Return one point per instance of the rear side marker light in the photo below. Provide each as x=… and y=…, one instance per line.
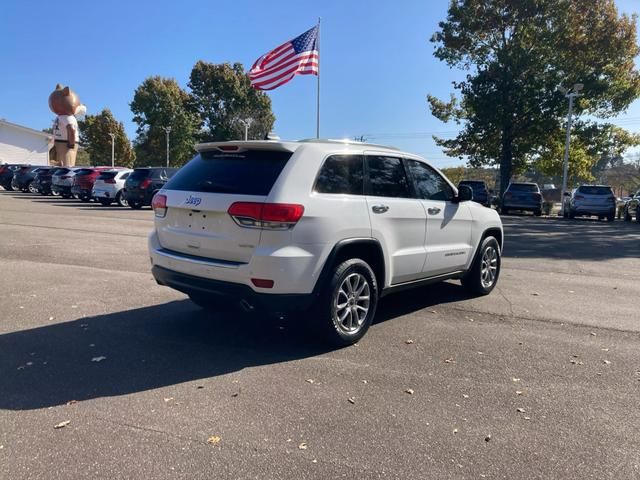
x=262, y=282
x=272, y=216
x=109, y=180
x=145, y=183
x=159, y=205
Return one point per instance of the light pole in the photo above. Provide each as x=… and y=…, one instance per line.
x=167, y=130
x=570, y=94
x=113, y=149
x=247, y=123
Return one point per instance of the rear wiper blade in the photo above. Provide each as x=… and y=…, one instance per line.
x=209, y=186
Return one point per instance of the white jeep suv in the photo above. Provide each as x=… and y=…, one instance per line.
x=317, y=226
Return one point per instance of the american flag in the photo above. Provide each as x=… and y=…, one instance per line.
x=297, y=57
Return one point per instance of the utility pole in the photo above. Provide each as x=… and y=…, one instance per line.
x=167, y=130
x=246, y=123
x=113, y=149
x=570, y=94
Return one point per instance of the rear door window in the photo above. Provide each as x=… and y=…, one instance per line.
x=107, y=175
x=252, y=172
x=523, y=187
x=341, y=174
x=140, y=174
x=386, y=177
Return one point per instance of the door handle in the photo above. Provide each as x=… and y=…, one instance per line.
x=433, y=211
x=380, y=208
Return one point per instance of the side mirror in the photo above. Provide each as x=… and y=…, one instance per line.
x=465, y=193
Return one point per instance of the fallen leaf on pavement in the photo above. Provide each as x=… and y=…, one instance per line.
x=464, y=395
x=310, y=380
x=515, y=379
x=409, y=391
x=365, y=382
x=520, y=410
x=518, y=392
x=527, y=418
x=408, y=342
x=98, y=359
x=535, y=294
x=604, y=349
x=302, y=446
x=168, y=399
x=487, y=438
x=51, y=318
x=593, y=334
x=449, y=360
x=351, y=400
x=455, y=430
x=62, y=424
x=213, y=440
x=606, y=362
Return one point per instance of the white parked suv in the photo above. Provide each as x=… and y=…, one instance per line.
x=317, y=226
x=108, y=187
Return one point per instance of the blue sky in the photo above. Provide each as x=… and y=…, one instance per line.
x=376, y=61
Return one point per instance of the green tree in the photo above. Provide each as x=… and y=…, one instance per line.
x=221, y=95
x=160, y=102
x=516, y=54
x=95, y=137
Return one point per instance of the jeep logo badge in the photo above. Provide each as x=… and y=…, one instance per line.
x=195, y=201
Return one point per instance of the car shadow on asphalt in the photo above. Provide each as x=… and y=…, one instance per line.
x=145, y=348
x=161, y=345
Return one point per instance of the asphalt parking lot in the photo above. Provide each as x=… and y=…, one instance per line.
x=541, y=379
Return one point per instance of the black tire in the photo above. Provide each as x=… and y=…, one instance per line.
x=32, y=189
x=65, y=195
x=121, y=200
x=84, y=198
x=626, y=216
x=572, y=214
x=473, y=280
x=638, y=214
x=343, y=332
x=504, y=211
x=135, y=205
x=611, y=217
x=537, y=213
x=105, y=202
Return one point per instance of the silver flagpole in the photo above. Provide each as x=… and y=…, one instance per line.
x=318, y=96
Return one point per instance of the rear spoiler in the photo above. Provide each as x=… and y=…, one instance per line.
x=248, y=145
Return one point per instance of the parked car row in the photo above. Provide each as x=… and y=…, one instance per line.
x=631, y=208
x=124, y=186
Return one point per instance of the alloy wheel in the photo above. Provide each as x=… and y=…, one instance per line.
x=351, y=303
x=489, y=266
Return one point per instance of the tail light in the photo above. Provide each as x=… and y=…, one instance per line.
x=579, y=197
x=159, y=205
x=109, y=180
x=272, y=216
x=145, y=183
x=65, y=177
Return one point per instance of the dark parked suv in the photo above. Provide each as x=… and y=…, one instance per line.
x=6, y=175
x=24, y=176
x=480, y=191
x=42, y=181
x=522, y=196
x=143, y=183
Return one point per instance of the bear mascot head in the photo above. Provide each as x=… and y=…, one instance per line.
x=65, y=103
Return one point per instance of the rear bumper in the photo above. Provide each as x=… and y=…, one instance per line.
x=80, y=192
x=144, y=196
x=522, y=206
x=594, y=209
x=237, y=293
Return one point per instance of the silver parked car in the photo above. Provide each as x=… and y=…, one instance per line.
x=590, y=200
x=108, y=187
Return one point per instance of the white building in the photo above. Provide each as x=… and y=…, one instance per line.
x=20, y=144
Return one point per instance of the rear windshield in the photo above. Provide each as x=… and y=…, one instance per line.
x=524, y=187
x=84, y=171
x=140, y=173
x=595, y=190
x=252, y=172
x=107, y=175
x=61, y=171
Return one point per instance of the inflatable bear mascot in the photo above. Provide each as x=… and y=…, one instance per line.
x=65, y=103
